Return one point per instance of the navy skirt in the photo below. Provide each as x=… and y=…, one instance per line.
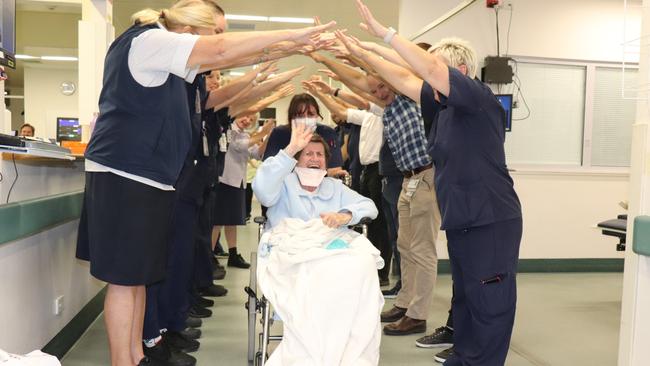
x=229, y=206
x=124, y=229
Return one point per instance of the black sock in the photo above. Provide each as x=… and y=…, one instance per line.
x=232, y=251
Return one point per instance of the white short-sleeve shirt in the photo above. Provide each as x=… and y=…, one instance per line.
x=372, y=132
x=154, y=55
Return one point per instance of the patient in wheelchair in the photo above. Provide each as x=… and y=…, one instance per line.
x=320, y=276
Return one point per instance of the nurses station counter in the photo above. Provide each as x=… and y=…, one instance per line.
x=43, y=286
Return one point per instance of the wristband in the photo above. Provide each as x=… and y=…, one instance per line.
x=336, y=92
x=389, y=36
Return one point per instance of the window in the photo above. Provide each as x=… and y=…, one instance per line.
x=612, y=118
x=552, y=134
x=570, y=114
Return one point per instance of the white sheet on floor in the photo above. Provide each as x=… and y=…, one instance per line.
x=328, y=299
x=34, y=358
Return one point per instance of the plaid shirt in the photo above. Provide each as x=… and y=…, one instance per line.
x=404, y=132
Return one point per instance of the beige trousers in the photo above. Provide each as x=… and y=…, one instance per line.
x=419, y=221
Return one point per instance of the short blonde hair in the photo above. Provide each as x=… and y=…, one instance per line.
x=191, y=13
x=456, y=52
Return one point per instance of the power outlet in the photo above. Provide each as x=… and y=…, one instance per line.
x=58, y=305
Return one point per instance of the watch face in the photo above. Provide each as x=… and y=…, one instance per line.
x=68, y=88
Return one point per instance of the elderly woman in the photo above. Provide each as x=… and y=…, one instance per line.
x=320, y=276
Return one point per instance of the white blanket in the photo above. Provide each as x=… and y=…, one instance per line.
x=328, y=299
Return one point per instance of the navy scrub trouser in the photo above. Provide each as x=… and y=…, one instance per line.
x=168, y=301
x=204, y=266
x=390, y=188
x=484, y=268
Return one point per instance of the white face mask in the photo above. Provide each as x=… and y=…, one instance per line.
x=310, y=122
x=310, y=177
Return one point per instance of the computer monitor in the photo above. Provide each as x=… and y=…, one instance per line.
x=8, y=33
x=506, y=102
x=68, y=129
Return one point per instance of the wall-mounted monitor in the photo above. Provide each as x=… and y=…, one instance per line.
x=506, y=102
x=68, y=129
x=8, y=33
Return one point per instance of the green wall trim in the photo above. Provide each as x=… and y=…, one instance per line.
x=68, y=336
x=25, y=218
x=558, y=265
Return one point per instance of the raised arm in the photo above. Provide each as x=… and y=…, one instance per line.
x=401, y=79
x=238, y=109
x=227, y=92
x=428, y=66
x=226, y=49
x=347, y=74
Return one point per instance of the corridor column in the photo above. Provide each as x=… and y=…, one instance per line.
x=96, y=32
x=635, y=312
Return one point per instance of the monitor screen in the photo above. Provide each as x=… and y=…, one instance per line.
x=8, y=33
x=506, y=102
x=68, y=129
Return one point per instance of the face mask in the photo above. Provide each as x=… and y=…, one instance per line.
x=310, y=177
x=310, y=122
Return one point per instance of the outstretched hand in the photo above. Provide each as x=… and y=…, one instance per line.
x=309, y=35
x=370, y=24
x=300, y=137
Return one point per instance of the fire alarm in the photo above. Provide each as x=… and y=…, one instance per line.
x=491, y=3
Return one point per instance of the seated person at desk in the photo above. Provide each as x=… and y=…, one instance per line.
x=26, y=130
x=325, y=291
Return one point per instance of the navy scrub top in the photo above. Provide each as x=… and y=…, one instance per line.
x=466, y=141
x=281, y=136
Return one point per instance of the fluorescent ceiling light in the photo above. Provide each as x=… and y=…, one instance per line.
x=236, y=73
x=291, y=20
x=26, y=57
x=259, y=18
x=254, y=18
x=59, y=58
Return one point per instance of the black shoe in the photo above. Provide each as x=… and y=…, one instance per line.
x=199, y=312
x=219, y=273
x=392, y=293
x=443, y=356
x=162, y=354
x=441, y=337
x=191, y=333
x=178, y=342
x=238, y=261
x=213, y=291
x=193, y=322
x=203, y=302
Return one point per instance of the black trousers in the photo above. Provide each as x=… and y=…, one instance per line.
x=168, y=301
x=378, y=229
x=204, y=266
x=249, y=199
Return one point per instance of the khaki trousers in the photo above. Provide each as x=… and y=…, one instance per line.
x=419, y=222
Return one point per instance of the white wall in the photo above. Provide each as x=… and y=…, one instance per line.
x=576, y=29
x=560, y=208
x=44, y=100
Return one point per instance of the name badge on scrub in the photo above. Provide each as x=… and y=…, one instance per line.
x=223, y=143
x=411, y=186
x=197, y=102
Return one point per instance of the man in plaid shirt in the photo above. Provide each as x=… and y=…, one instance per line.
x=419, y=217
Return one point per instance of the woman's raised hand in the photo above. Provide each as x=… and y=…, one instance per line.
x=309, y=35
x=370, y=24
x=300, y=137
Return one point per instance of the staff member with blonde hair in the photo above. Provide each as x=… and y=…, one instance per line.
x=130, y=176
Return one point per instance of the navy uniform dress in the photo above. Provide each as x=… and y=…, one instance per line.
x=143, y=132
x=481, y=214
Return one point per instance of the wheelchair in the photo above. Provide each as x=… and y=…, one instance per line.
x=260, y=305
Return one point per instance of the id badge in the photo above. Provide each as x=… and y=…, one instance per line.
x=223, y=143
x=206, y=148
x=411, y=186
x=197, y=102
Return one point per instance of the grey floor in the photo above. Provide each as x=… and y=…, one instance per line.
x=562, y=319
